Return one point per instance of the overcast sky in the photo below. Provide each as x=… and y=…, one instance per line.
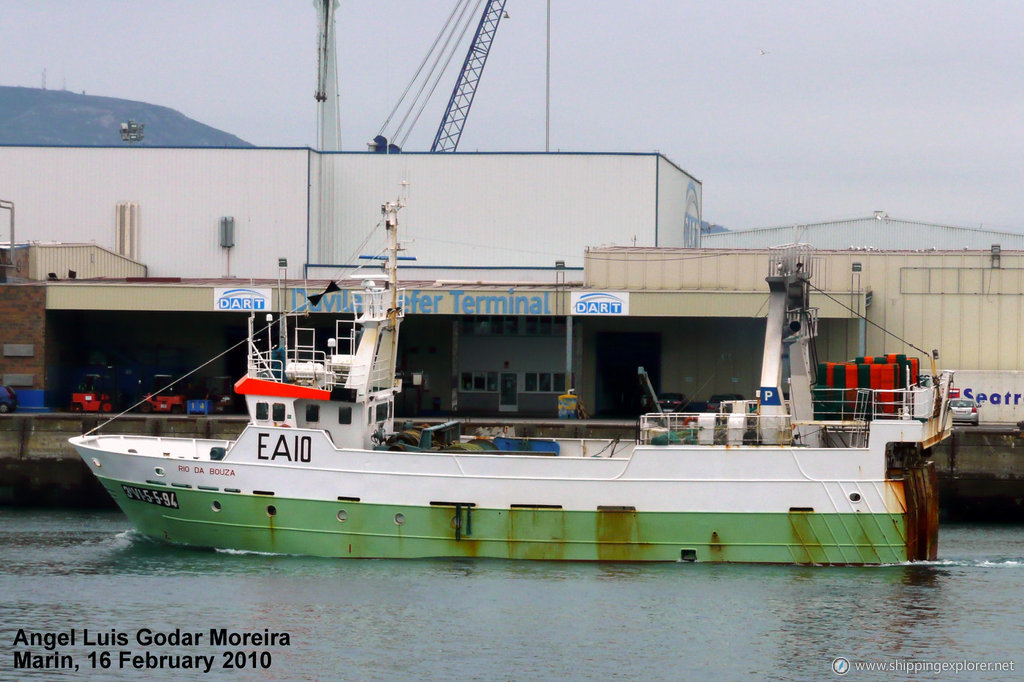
x=914, y=108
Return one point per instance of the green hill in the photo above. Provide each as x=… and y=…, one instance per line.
x=29, y=116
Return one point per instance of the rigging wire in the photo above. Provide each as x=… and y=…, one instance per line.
x=465, y=29
x=423, y=63
x=265, y=328
x=491, y=247
x=884, y=330
x=181, y=378
x=355, y=254
x=434, y=74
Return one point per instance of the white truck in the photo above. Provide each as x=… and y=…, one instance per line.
x=999, y=393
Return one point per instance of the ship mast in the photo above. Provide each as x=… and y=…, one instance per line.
x=790, y=323
x=390, y=211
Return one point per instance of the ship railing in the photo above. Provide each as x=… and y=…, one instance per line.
x=345, y=336
x=307, y=366
x=866, y=404
x=374, y=303
x=791, y=259
x=174, y=447
x=380, y=376
x=342, y=350
x=263, y=366
x=710, y=428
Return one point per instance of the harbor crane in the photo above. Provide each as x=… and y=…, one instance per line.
x=440, y=55
x=450, y=130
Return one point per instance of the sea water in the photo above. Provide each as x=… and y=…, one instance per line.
x=137, y=609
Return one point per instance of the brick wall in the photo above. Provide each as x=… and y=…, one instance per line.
x=23, y=333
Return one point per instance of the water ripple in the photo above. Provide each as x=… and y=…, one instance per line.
x=491, y=619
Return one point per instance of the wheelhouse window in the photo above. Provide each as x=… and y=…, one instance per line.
x=312, y=413
x=279, y=412
x=344, y=415
x=262, y=411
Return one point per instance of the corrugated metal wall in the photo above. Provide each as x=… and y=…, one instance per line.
x=85, y=260
x=496, y=210
x=464, y=210
x=679, y=206
x=70, y=195
x=879, y=232
x=966, y=304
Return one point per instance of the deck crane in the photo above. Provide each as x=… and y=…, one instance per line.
x=450, y=130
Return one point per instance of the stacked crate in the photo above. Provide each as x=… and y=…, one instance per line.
x=902, y=361
x=839, y=381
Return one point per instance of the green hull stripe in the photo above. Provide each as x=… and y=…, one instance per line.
x=312, y=527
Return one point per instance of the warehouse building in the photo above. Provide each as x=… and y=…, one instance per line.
x=507, y=216
x=533, y=272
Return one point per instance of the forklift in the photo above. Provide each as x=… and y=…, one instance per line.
x=159, y=401
x=92, y=395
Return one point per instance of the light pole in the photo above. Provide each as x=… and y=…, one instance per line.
x=547, y=85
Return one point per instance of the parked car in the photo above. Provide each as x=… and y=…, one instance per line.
x=8, y=399
x=715, y=401
x=671, y=402
x=964, y=411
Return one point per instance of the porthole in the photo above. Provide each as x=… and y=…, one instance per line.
x=271, y=510
x=399, y=519
x=215, y=506
x=159, y=471
x=343, y=516
x=854, y=497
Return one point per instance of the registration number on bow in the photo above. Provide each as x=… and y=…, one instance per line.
x=164, y=498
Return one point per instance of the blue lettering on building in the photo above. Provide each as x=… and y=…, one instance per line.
x=1006, y=398
x=419, y=302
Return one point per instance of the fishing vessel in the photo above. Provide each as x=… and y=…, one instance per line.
x=808, y=474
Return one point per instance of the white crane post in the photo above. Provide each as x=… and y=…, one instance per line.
x=328, y=115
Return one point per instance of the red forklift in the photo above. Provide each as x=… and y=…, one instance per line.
x=90, y=397
x=161, y=400
x=220, y=391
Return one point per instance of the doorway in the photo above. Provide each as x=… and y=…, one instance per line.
x=619, y=354
x=508, y=394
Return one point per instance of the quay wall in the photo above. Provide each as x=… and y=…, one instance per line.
x=38, y=467
x=981, y=472
x=981, y=476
